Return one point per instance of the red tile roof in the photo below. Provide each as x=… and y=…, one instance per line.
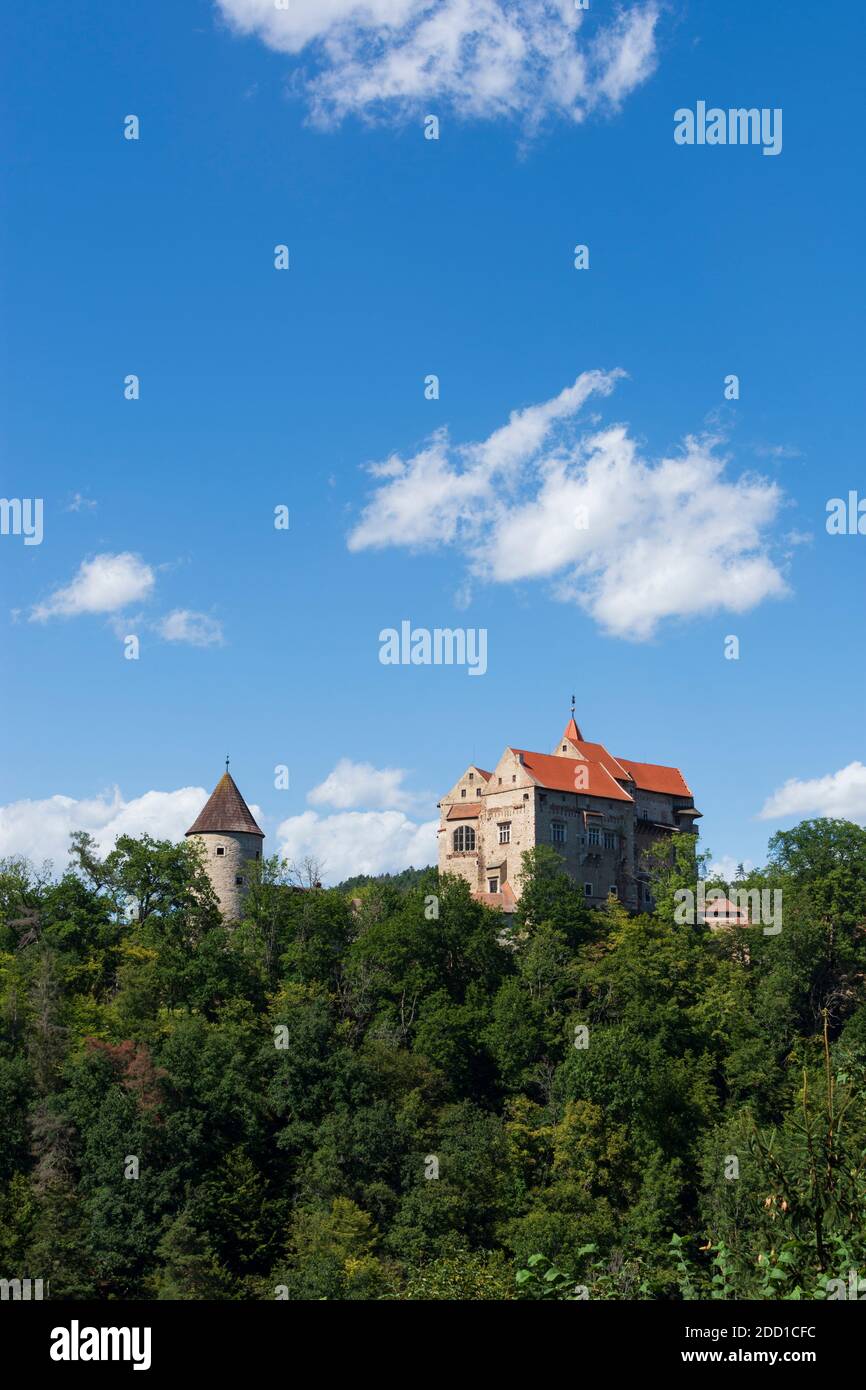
x=650, y=777
x=597, y=753
x=505, y=899
x=463, y=810
x=225, y=810
x=557, y=774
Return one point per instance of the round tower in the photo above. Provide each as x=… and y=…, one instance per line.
x=232, y=840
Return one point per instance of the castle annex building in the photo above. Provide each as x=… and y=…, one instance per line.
x=228, y=831
x=600, y=812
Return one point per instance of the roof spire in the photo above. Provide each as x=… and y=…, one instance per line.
x=225, y=811
x=227, y=762
x=572, y=732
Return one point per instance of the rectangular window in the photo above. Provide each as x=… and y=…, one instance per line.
x=593, y=837
x=587, y=890
x=609, y=840
x=505, y=832
x=613, y=891
x=557, y=832
x=493, y=885
x=239, y=880
x=220, y=851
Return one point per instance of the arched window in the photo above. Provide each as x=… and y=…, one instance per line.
x=464, y=837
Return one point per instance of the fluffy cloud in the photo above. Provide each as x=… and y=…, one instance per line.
x=841, y=793
x=40, y=829
x=351, y=785
x=358, y=842
x=369, y=841
x=109, y=584
x=484, y=58
x=631, y=541
x=727, y=868
x=104, y=584
x=197, y=629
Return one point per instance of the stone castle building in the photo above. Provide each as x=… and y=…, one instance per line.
x=600, y=812
x=231, y=839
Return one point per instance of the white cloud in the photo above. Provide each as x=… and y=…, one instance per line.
x=183, y=625
x=79, y=503
x=40, y=829
x=483, y=58
x=104, y=584
x=631, y=541
x=841, y=793
x=727, y=868
x=358, y=842
x=351, y=785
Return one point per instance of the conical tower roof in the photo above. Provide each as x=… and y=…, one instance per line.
x=224, y=811
x=572, y=732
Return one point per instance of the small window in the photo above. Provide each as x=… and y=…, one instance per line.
x=505, y=832
x=462, y=791
x=593, y=837
x=472, y=777
x=564, y=749
x=499, y=780
x=477, y=791
x=609, y=840
x=258, y=854
x=239, y=879
x=514, y=777
x=613, y=891
x=493, y=885
x=220, y=851
x=557, y=832
x=587, y=890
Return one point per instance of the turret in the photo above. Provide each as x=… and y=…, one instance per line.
x=231, y=840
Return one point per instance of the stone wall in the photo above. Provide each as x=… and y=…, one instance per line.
x=224, y=869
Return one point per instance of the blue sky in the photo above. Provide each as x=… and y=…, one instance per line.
x=409, y=257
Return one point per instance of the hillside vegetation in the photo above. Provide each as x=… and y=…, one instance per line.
x=376, y=1093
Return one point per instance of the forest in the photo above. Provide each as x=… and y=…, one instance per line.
x=387, y=1091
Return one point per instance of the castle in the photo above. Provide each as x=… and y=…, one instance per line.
x=227, y=831
x=601, y=813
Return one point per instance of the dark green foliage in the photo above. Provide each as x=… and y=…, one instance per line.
x=381, y=1092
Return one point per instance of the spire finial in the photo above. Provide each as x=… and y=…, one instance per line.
x=572, y=706
x=227, y=762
